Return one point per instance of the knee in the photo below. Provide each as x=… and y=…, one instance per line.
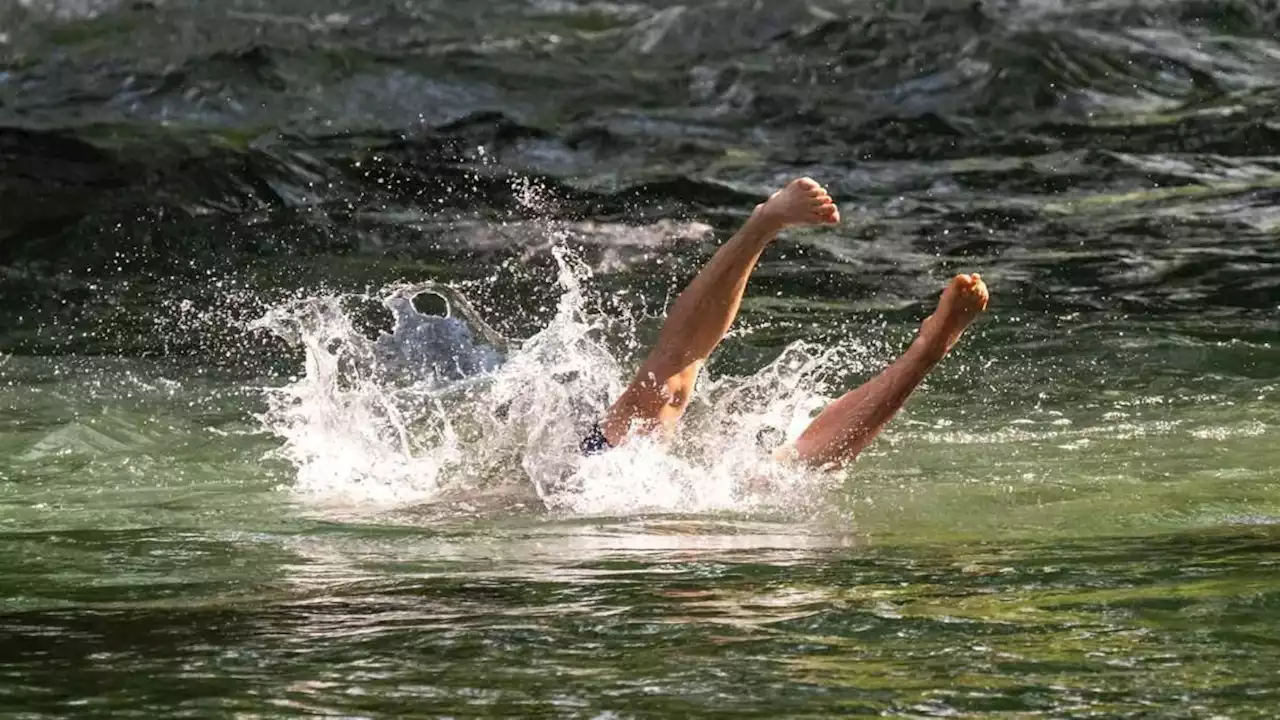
x=679, y=388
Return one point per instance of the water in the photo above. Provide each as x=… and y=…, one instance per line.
x=248, y=466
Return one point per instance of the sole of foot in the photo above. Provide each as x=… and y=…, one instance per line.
x=801, y=202
x=963, y=300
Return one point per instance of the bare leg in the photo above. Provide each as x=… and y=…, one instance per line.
x=849, y=424
x=703, y=313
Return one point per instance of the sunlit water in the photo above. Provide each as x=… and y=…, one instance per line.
x=1053, y=526
x=249, y=467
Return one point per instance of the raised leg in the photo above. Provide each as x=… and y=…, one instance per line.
x=849, y=424
x=703, y=313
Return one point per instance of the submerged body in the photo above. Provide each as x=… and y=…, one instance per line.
x=657, y=397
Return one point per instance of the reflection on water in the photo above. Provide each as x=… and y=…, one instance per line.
x=735, y=619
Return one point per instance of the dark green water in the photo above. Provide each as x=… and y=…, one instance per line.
x=1077, y=516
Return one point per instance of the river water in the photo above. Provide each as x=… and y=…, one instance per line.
x=248, y=467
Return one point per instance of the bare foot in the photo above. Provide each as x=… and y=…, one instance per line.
x=801, y=202
x=964, y=298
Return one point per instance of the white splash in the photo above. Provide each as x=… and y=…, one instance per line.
x=442, y=408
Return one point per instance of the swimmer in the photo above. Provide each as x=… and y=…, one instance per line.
x=698, y=320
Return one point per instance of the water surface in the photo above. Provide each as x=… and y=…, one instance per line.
x=221, y=492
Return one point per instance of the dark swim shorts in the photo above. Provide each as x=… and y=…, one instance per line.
x=595, y=442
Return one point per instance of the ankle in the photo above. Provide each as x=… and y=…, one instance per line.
x=765, y=219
